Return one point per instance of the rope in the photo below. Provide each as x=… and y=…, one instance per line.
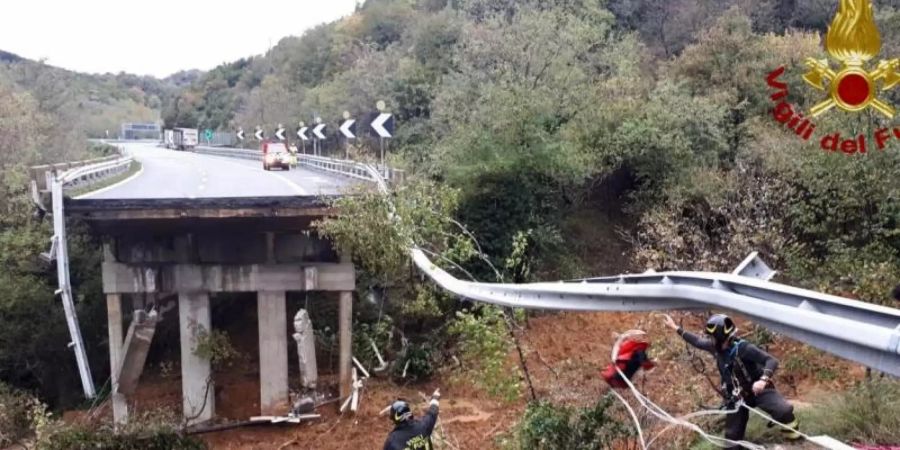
x=682, y=421
x=765, y=416
x=664, y=416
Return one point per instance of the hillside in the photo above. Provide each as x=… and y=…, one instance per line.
x=543, y=140
x=88, y=104
x=579, y=138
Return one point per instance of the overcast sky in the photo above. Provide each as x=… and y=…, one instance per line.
x=157, y=37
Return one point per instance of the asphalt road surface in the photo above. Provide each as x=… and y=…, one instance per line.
x=179, y=174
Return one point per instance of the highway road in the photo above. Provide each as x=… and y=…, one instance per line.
x=178, y=174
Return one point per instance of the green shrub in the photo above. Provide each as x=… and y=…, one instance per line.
x=550, y=427
x=214, y=345
x=485, y=343
x=416, y=362
x=868, y=414
x=16, y=410
x=89, y=438
x=363, y=336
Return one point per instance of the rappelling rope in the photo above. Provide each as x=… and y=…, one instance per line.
x=664, y=416
x=653, y=408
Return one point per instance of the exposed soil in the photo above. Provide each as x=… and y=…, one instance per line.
x=565, y=353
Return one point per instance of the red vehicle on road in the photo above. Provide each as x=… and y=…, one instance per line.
x=276, y=154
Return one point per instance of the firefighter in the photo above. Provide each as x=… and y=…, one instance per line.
x=408, y=433
x=746, y=373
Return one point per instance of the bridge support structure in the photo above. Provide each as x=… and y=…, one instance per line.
x=148, y=256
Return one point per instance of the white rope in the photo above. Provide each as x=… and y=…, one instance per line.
x=637, y=423
x=664, y=416
x=765, y=416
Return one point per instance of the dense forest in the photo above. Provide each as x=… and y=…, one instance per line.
x=533, y=109
x=568, y=137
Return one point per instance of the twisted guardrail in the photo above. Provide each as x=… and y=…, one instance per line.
x=57, y=178
x=863, y=332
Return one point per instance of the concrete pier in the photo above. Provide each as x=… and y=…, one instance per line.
x=197, y=389
x=273, y=358
x=114, y=322
x=345, y=324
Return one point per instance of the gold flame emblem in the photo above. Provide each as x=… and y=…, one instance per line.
x=852, y=39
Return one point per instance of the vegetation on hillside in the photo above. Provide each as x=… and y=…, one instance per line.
x=513, y=117
x=88, y=105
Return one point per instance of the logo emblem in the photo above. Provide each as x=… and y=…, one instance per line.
x=852, y=39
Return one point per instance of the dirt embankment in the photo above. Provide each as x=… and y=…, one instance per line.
x=565, y=354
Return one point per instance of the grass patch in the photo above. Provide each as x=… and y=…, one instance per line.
x=102, y=149
x=868, y=413
x=135, y=168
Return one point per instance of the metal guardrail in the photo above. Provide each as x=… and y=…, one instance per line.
x=56, y=179
x=90, y=174
x=240, y=153
x=862, y=332
x=40, y=173
x=348, y=168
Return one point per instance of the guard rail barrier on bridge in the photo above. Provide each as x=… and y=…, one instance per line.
x=111, y=165
x=56, y=178
x=347, y=168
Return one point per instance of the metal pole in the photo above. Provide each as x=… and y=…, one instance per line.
x=65, y=288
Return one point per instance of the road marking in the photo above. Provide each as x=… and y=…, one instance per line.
x=296, y=187
x=112, y=186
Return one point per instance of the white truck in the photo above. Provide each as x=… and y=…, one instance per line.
x=185, y=138
x=168, y=139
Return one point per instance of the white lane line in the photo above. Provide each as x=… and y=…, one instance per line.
x=112, y=186
x=296, y=187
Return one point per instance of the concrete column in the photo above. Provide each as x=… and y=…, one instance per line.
x=273, y=359
x=345, y=323
x=306, y=350
x=197, y=390
x=114, y=321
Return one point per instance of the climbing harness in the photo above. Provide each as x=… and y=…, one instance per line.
x=683, y=421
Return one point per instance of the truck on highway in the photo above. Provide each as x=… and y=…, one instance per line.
x=168, y=139
x=185, y=138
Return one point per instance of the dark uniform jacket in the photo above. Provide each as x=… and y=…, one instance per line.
x=413, y=434
x=742, y=362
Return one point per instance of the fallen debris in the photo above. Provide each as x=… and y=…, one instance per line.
x=306, y=349
x=354, y=398
x=383, y=365
x=284, y=419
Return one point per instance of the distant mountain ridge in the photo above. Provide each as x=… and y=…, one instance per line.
x=9, y=57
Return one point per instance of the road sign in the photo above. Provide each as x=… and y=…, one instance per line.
x=209, y=134
x=301, y=133
x=258, y=134
x=319, y=131
x=279, y=133
x=384, y=125
x=240, y=134
x=348, y=129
